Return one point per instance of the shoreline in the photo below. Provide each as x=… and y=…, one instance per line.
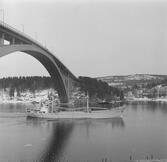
x=148, y=100
x=15, y=102
x=151, y=160
x=156, y=100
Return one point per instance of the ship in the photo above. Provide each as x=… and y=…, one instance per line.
x=43, y=112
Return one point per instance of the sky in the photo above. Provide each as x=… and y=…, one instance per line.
x=91, y=37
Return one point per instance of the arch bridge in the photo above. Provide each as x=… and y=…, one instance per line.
x=12, y=40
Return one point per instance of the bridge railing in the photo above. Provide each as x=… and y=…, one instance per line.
x=22, y=34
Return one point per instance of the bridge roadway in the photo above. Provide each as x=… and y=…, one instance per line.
x=12, y=40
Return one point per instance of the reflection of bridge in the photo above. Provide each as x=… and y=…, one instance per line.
x=11, y=40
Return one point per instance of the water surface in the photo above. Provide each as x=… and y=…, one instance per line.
x=140, y=133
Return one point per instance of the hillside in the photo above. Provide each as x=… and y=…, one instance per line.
x=130, y=80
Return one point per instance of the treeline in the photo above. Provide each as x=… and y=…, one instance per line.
x=95, y=88
x=26, y=83
x=99, y=89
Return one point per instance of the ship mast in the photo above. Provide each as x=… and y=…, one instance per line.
x=87, y=102
x=52, y=103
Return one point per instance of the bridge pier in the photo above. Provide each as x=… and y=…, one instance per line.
x=2, y=38
x=69, y=86
x=13, y=40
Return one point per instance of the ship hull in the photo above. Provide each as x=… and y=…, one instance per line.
x=103, y=114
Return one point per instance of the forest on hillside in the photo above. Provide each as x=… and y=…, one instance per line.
x=99, y=89
x=31, y=83
x=95, y=88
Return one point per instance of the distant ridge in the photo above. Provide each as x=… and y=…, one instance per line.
x=117, y=80
x=156, y=75
x=134, y=76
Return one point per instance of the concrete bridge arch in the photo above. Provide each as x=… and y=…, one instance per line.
x=18, y=41
x=48, y=61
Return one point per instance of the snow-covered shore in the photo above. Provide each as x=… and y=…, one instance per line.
x=27, y=97
x=14, y=101
x=150, y=99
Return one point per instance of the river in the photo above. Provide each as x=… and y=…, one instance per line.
x=141, y=133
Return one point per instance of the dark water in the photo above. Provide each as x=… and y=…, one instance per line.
x=142, y=132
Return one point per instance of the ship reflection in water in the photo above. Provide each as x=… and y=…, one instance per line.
x=61, y=132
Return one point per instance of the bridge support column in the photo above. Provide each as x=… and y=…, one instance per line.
x=69, y=86
x=2, y=38
x=12, y=41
